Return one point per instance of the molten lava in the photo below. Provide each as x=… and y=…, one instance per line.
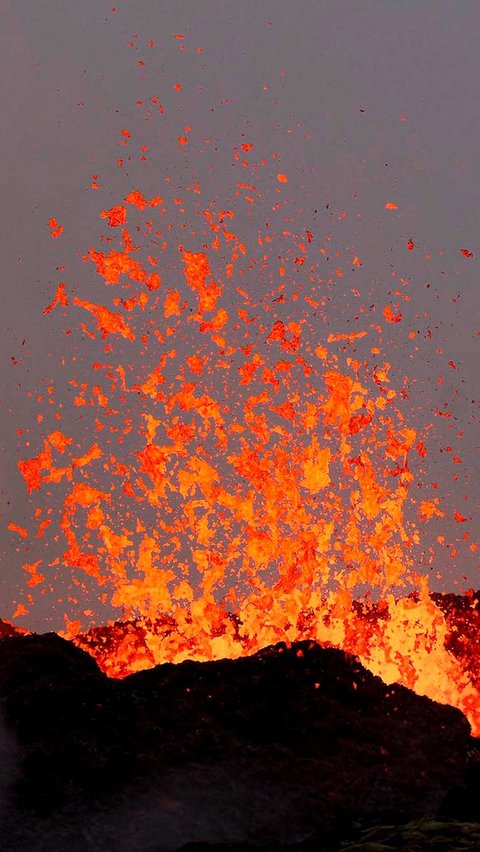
x=241, y=475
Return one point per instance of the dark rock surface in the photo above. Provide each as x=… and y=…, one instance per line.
x=9, y=629
x=294, y=746
x=419, y=835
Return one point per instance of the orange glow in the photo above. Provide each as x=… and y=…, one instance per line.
x=21, y=531
x=391, y=316
x=115, y=216
x=60, y=299
x=55, y=229
x=250, y=475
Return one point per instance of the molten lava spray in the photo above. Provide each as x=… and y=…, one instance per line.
x=241, y=474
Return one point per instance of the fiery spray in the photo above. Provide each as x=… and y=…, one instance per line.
x=243, y=475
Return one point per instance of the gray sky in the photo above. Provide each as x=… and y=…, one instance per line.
x=367, y=102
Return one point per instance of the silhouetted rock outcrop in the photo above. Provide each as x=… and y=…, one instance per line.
x=9, y=629
x=286, y=745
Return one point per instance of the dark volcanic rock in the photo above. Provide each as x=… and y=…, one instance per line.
x=422, y=835
x=8, y=629
x=462, y=801
x=286, y=745
x=419, y=836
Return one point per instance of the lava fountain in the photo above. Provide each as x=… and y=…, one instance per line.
x=237, y=473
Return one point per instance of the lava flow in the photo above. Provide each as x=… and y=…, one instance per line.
x=233, y=473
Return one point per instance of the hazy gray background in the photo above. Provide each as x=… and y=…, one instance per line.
x=351, y=70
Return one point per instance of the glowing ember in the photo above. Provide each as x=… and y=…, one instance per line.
x=243, y=475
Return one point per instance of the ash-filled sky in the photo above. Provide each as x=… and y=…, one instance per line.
x=365, y=103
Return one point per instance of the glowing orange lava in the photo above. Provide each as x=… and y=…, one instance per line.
x=244, y=476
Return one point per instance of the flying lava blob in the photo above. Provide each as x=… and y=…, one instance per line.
x=242, y=475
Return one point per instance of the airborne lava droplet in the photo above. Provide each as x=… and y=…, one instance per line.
x=55, y=228
x=391, y=316
x=115, y=216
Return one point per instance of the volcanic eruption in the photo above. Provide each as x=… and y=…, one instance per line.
x=231, y=472
x=230, y=460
